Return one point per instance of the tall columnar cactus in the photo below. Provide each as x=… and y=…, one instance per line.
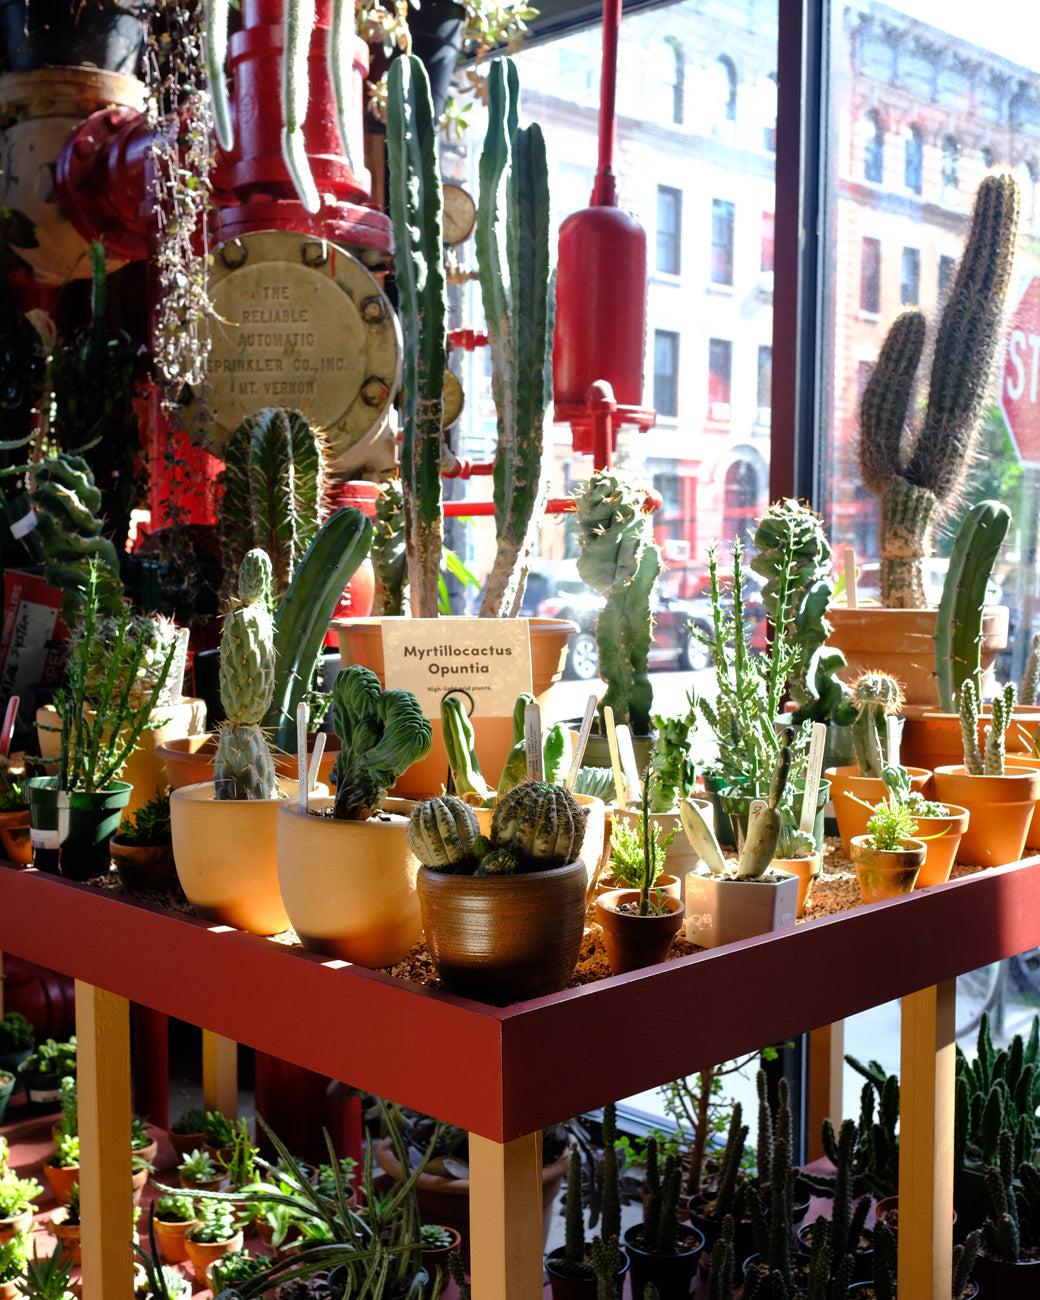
x=874, y=696
x=242, y=766
x=917, y=467
x=794, y=556
x=1029, y=691
x=416, y=209
x=274, y=491
x=513, y=260
x=620, y=559
x=958, y=625
x=389, y=556
x=68, y=525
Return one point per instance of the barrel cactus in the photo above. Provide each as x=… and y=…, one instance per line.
x=442, y=833
x=242, y=766
x=874, y=696
x=541, y=825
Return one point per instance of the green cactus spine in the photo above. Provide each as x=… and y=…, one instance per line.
x=242, y=766
x=958, y=625
x=1002, y=708
x=874, y=696
x=274, y=491
x=919, y=473
x=442, y=832
x=968, y=710
x=621, y=561
x=541, y=825
x=416, y=208
x=389, y=557
x=514, y=266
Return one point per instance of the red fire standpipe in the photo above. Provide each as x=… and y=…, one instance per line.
x=600, y=334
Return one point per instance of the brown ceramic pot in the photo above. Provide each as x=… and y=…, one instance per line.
x=851, y=815
x=14, y=837
x=886, y=873
x=144, y=866
x=504, y=938
x=634, y=941
x=1001, y=809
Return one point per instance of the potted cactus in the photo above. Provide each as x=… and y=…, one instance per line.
x=142, y=849
x=346, y=872
x=503, y=914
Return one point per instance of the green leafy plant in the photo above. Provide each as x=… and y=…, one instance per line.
x=217, y=1222
x=16, y=1033
x=14, y=1255
x=890, y=827
x=174, y=1208
x=191, y=1121
x=66, y=1151
x=16, y=1194
x=149, y=824
x=672, y=770
x=627, y=858
x=198, y=1167
x=237, y=1266
x=434, y=1237
x=12, y=799
x=69, y=1105
x=47, y=1277
x=219, y=1130
x=52, y=1057
x=238, y=1157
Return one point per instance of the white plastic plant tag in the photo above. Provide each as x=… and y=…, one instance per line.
x=583, y=740
x=757, y=806
x=533, y=742
x=316, y=757
x=814, y=766
x=301, y=752
x=615, y=758
x=893, y=735
x=43, y=839
x=629, y=766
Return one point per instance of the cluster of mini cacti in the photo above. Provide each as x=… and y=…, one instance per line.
x=996, y=1091
x=958, y=624
x=793, y=555
x=274, y=491
x=535, y=827
x=875, y=696
x=389, y=555
x=68, y=525
x=513, y=261
x=990, y=760
x=874, y=1163
x=620, y=559
x=1013, y=1201
x=382, y=733
x=917, y=467
x=242, y=766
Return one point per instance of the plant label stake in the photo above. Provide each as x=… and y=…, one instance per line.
x=316, y=757
x=301, y=751
x=583, y=740
x=615, y=758
x=892, y=737
x=813, y=769
x=628, y=762
x=850, y=578
x=8, y=730
x=533, y=742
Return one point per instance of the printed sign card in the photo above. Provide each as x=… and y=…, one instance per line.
x=485, y=660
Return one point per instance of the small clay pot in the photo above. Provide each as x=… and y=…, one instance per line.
x=144, y=866
x=634, y=941
x=886, y=873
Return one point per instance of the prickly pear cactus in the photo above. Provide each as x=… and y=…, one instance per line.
x=442, y=832
x=242, y=766
x=541, y=825
x=874, y=696
x=620, y=559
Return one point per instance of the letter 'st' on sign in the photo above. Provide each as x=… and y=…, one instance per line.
x=1020, y=382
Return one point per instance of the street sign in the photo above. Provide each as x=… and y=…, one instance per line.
x=1020, y=382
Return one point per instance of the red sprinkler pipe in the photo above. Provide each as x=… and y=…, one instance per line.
x=604, y=190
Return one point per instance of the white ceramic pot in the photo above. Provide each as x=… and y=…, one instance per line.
x=720, y=911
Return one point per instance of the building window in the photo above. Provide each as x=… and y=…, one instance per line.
x=987, y=157
x=765, y=384
x=739, y=500
x=678, y=82
x=913, y=169
x=947, y=266
x=874, y=149
x=910, y=282
x=870, y=276
x=666, y=373
x=950, y=155
x=669, y=230
x=720, y=371
x=725, y=84
x=723, y=216
x=768, y=240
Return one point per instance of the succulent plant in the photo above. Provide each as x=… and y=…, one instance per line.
x=875, y=696
x=382, y=733
x=540, y=825
x=442, y=832
x=389, y=558
x=242, y=766
x=990, y=762
x=157, y=635
x=672, y=770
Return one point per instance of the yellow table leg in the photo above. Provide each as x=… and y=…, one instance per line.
x=219, y=1073
x=926, y=1143
x=505, y=1218
x=103, y=1093
x=826, y=1064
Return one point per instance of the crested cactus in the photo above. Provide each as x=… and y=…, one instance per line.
x=917, y=468
x=513, y=259
x=620, y=559
x=793, y=555
x=874, y=696
x=389, y=558
x=68, y=526
x=382, y=734
x=541, y=825
x=958, y=626
x=416, y=209
x=442, y=832
x=274, y=491
x=242, y=766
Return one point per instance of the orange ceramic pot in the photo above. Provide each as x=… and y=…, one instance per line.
x=1033, y=829
x=361, y=642
x=886, y=873
x=189, y=759
x=204, y=1253
x=170, y=1234
x=1001, y=809
x=806, y=869
x=942, y=837
x=62, y=1179
x=851, y=814
x=67, y=1233
x=634, y=941
x=932, y=739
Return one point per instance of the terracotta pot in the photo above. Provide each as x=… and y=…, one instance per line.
x=62, y=1179
x=435, y=1258
x=902, y=642
x=1033, y=830
x=1001, y=809
x=207, y=1184
x=361, y=642
x=349, y=887
x=226, y=855
x=721, y=911
x=504, y=938
x=806, y=870
x=886, y=873
x=932, y=739
x=670, y=885
x=1007, y=1281
x=67, y=1234
x=204, y=1253
x=671, y=1275
x=14, y=836
x=189, y=760
x=185, y=1143
x=144, y=866
x=942, y=838
x=851, y=815
x=170, y=1234
x=15, y=1223
x=633, y=942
